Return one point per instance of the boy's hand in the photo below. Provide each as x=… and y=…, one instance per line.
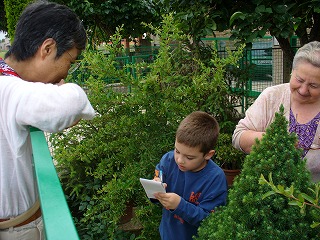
x=168, y=200
x=157, y=179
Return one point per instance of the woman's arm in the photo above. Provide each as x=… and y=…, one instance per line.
x=260, y=115
x=248, y=138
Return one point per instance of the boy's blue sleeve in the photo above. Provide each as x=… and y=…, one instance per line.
x=161, y=166
x=194, y=214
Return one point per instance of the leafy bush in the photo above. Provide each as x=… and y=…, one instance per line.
x=248, y=215
x=226, y=155
x=100, y=161
x=297, y=198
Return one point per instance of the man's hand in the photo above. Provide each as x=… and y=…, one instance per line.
x=168, y=200
x=75, y=123
x=61, y=82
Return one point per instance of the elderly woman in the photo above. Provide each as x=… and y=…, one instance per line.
x=301, y=101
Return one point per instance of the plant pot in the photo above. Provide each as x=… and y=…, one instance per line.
x=128, y=213
x=128, y=223
x=230, y=175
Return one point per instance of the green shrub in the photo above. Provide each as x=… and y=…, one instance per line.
x=248, y=215
x=13, y=9
x=226, y=155
x=100, y=161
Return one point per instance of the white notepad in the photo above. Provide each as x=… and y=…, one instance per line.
x=151, y=187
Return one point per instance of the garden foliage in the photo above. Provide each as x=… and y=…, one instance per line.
x=248, y=215
x=100, y=161
x=13, y=10
x=226, y=155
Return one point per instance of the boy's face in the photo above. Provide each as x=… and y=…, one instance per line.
x=189, y=158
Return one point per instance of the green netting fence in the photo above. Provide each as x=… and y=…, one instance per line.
x=265, y=60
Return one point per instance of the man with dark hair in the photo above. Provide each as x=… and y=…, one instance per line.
x=48, y=39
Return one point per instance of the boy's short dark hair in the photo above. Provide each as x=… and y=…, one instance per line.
x=198, y=129
x=42, y=20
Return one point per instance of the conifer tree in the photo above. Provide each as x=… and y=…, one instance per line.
x=247, y=215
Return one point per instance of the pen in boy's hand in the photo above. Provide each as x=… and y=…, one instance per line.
x=156, y=175
x=160, y=175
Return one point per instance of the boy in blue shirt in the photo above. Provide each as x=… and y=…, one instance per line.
x=195, y=185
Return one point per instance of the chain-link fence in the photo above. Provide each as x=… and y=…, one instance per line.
x=260, y=67
x=263, y=61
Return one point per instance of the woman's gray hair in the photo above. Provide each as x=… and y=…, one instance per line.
x=309, y=53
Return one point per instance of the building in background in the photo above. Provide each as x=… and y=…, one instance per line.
x=5, y=44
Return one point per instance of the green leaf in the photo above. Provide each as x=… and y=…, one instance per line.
x=294, y=203
x=252, y=36
x=303, y=210
x=295, y=26
x=308, y=198
x=281, y=188
x=235, y=16
x=267, y=194
x=300, y=197
x=280, y=9
x=262, y=180
x=214, y=26
x=270, y=178
x=260, y=9
x=288, y=191
x=291, y=189
x=268, y=10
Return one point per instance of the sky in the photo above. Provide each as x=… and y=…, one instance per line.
x=2, y=34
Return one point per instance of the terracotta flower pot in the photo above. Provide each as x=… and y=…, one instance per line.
x=128, y=213
x=230, y=175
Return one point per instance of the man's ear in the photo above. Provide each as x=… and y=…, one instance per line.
x=48, y=47
x=209, y=154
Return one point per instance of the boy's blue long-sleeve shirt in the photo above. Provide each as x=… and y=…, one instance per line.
x=200, y=193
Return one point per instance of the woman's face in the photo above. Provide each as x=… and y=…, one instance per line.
x=305, y=83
